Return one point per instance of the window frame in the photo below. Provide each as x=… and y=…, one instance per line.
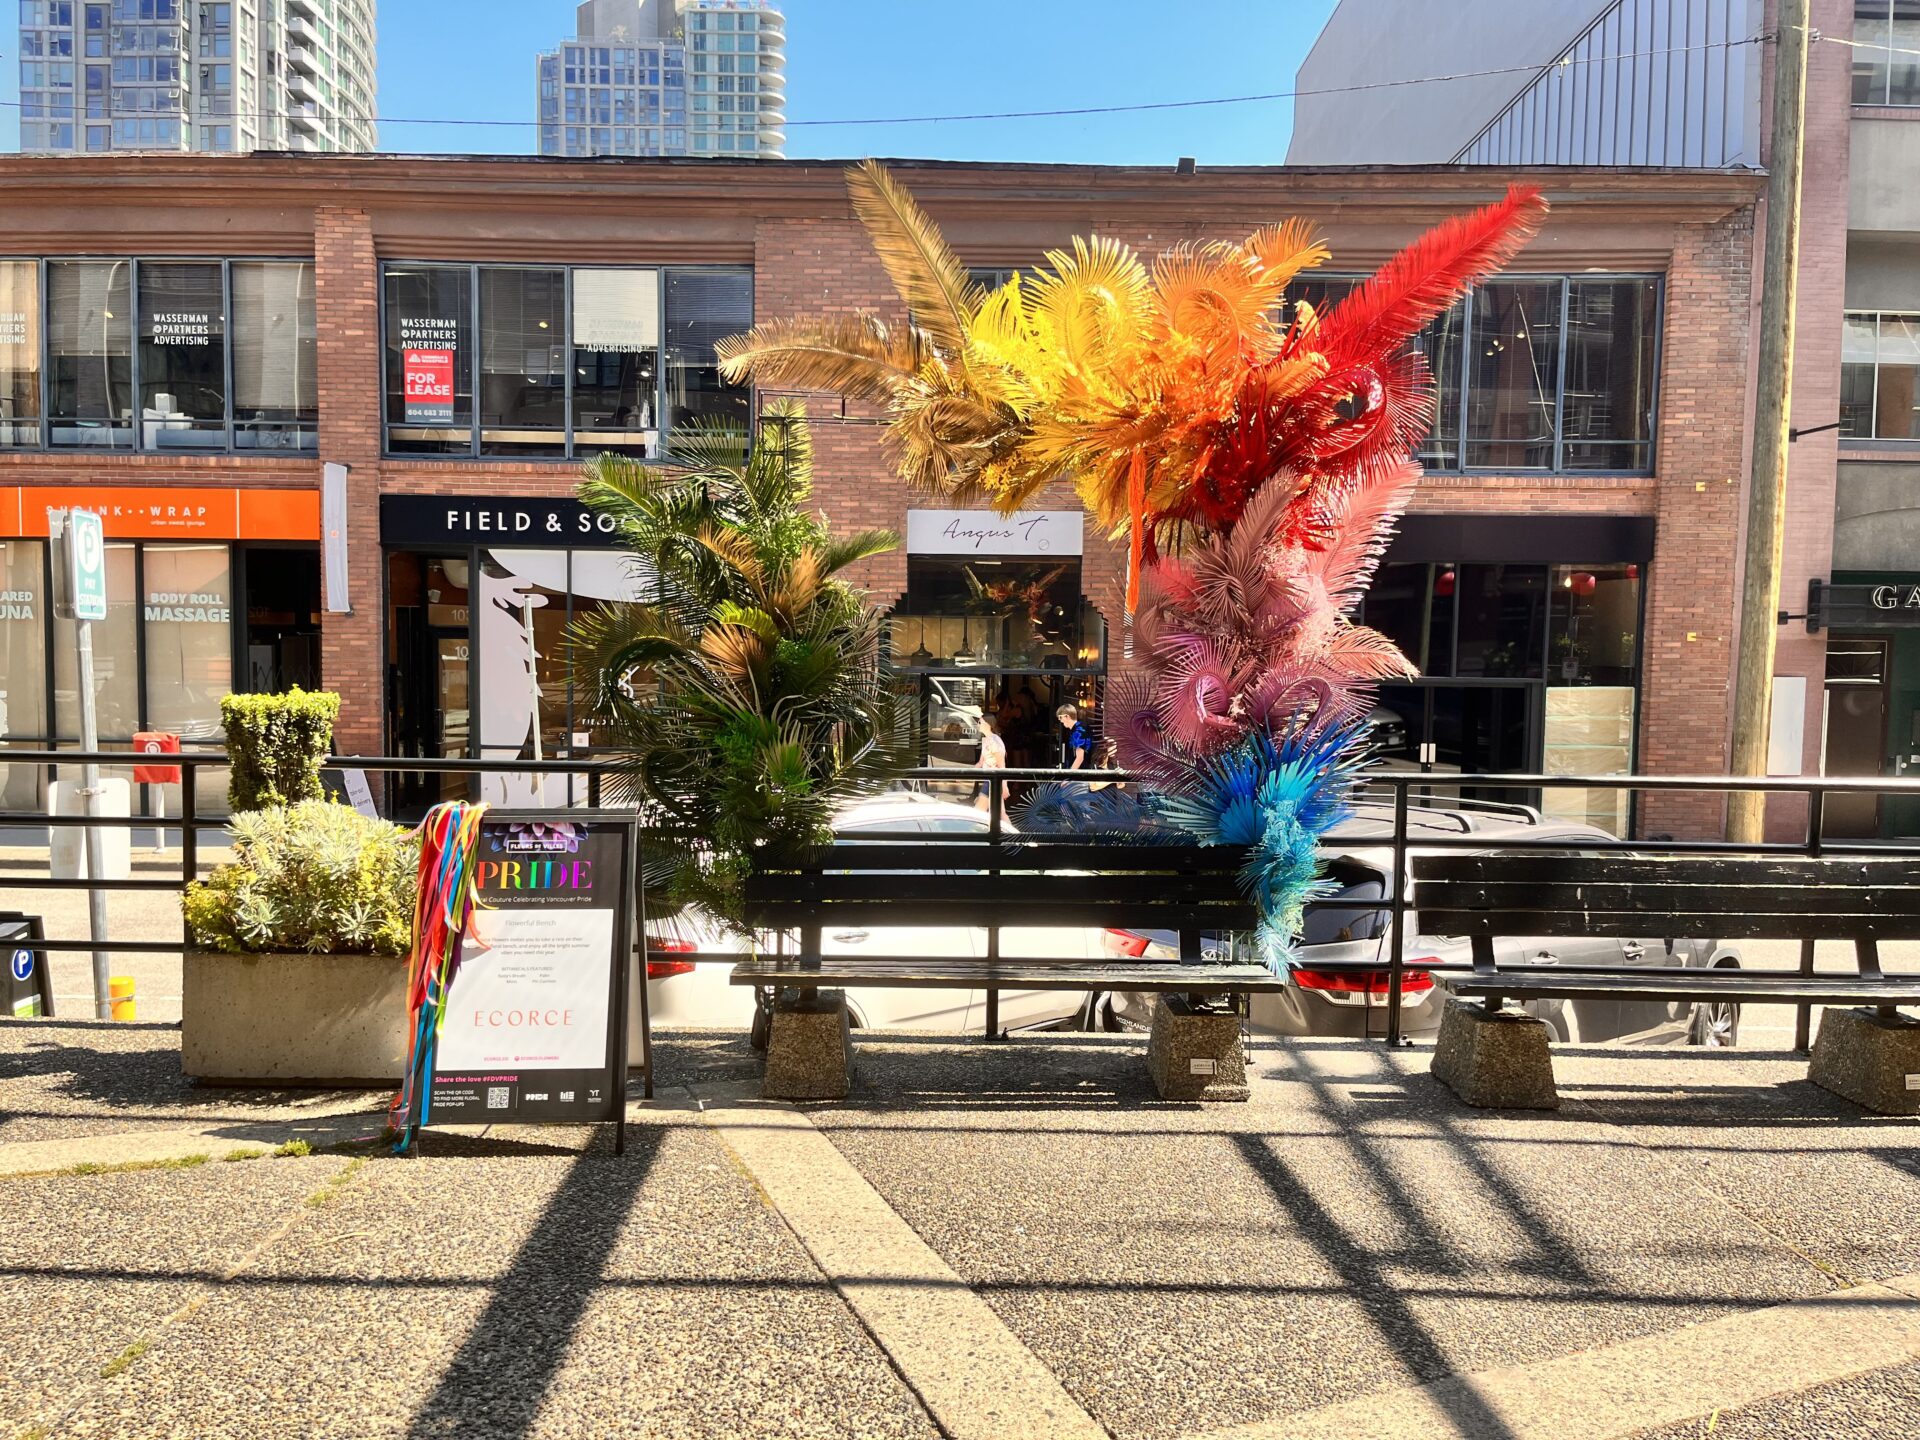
x=572, y=454
x=222, y=442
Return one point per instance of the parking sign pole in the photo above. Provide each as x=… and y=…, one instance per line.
x=90, y=796
x=80, y=592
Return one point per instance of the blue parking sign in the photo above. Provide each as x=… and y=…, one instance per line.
x=23, y=965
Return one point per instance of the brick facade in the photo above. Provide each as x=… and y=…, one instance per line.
x=791, y=222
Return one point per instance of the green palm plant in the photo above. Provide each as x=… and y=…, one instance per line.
x=745, y=700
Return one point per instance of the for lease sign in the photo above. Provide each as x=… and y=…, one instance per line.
x=428, y=386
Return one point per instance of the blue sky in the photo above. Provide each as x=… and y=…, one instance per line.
x=861, y=59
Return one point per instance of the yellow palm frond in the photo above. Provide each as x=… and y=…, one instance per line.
x=735, y=550
x=799, y=586
x=1284, y=250
x=929, y=277
x=857, y=356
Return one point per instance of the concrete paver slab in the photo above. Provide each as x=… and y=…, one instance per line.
x=1352, y=1229
x=92, y=1264
x=1618, y=1391
x=528, y=1284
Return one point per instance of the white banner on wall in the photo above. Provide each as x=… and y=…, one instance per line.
x=983, y=532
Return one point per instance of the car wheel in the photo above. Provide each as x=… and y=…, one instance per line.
x=1716, y=1023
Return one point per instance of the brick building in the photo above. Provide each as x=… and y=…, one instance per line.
x=187, y=342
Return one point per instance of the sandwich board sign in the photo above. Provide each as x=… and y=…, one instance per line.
x=535, y=1029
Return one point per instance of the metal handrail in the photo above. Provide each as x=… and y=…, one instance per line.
x=1402, y=783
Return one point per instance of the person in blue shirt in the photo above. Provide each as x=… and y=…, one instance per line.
x=1077, y=749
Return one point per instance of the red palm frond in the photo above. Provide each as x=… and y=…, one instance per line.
x=1426, y=277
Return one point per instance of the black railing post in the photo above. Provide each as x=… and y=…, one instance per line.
x=593, y=788
x=1816, y=839
x=996, y=811
x=1397, y=945
x=189, y=825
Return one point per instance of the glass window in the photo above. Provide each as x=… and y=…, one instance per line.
x=1439, y=342
x=90, y=352
x=183, y=356
x=187, y=613
x=1502, y=620
x=1607, y=408
x=429, y=369
x=616, y=360
x=116, y=677
x=1592, y=654
x=1412, y=604
x=1512, y=374
x=1886, y=67
x=19, y=352
x=523, y=380
x=276, y=392
x=703, y=308
x=1857, y=344
x=23, y=666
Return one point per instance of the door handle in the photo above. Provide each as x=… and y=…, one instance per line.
x=1633, y=950
x=850, y=937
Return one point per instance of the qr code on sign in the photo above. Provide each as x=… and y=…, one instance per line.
x=496, y=1097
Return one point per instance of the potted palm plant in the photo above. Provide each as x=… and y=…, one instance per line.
x=745, y=701
x=296, y=961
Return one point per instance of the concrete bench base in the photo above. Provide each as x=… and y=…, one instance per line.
x=810, y=1051
x=1194, y=1055
x=1499, y=1061
x=1870, y=1059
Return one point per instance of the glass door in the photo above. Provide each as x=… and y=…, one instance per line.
x=1856, y=738
x=1443, y=728
x=429, y=673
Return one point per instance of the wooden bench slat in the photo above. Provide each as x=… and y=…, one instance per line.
x=835, y=887
x=1635, y=897
x=1697, y=985
x=933, y=973
x=937, y=853
x=1586, y=867
x=1550, y=924
x=1142, y=914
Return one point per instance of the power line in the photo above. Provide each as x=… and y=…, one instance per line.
x=1564, y=63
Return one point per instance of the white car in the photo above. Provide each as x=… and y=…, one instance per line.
x=684, y=993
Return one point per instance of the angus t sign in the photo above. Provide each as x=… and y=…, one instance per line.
x=1894, y=606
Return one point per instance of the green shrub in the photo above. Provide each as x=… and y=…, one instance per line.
x=276, y=744
x=317, y=876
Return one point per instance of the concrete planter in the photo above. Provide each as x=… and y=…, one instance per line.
x=293, y=1019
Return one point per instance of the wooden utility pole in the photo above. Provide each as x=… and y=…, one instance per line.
x=1767, y=492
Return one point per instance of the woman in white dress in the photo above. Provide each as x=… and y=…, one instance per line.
x=993, y=756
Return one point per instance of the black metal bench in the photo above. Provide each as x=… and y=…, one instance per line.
x=972, y=884
x=1864, y=900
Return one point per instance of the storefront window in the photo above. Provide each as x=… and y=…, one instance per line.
x=1005, y=614
x=1501, y=621
x=183, y=356
x=23, y=666
x=429, y=350
x=116, y=659
x=523, y=378
x=90, y=352
x=1592, y=662
x=19, y=353
x=1439, y=342
x=187, y=612
x=1512, y=374
x=704, y=307
x=616, y=360
x=276, y=384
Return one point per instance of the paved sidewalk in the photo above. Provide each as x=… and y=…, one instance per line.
x=1350, y=1252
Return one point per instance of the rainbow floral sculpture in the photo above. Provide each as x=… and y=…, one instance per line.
x=1254, y=453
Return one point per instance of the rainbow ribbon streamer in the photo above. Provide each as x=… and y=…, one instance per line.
x=449, y=844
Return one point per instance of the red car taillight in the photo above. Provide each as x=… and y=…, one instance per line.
x=1125, y=942
x=665, y=969
x=1361, y=982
